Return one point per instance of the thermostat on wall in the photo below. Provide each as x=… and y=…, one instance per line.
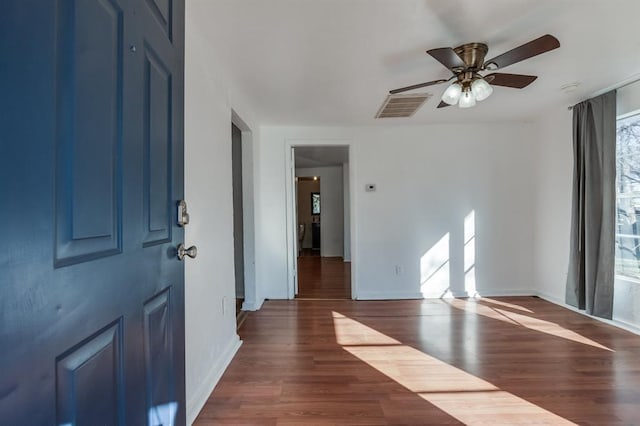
x=370, y=187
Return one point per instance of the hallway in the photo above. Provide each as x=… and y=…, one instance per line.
x=323, y=277
x=516, y=360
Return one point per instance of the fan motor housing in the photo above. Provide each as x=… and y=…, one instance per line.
x=472, y=54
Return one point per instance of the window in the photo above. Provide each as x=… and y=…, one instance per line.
x=628, y=196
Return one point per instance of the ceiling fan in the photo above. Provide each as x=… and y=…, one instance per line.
x=466, y=62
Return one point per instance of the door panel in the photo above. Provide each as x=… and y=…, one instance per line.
x=163, y=13
x=157, y=154
x=158, y=339
x=89, y=137
x=91, y=291
x=89, y=380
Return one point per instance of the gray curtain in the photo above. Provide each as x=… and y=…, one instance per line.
x=592, y=258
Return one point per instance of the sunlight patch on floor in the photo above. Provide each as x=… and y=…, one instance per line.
x=464, y=396
x=351, y=332
x=417, y=371
x=505, y=304
x=493, y=408
x=479, y=309
x=524, y=321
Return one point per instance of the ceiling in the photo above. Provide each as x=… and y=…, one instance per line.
x=332, y=62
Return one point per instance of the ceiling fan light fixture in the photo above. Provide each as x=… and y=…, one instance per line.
x=468, y=99
x=467, y=61
x=481, y=89
x=452, y=94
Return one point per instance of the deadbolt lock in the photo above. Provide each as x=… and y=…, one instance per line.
x=183, y=215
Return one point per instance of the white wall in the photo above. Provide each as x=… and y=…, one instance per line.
x=211, y=338
x=553, y=216
x=553, y=203
x=429, y=178
x=347, y=212
x=331, y=208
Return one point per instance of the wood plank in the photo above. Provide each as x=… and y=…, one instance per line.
x=323, y=277
x=511, y=360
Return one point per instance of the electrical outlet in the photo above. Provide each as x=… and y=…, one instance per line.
x=398, y=270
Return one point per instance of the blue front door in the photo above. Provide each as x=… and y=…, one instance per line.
x=91, y=170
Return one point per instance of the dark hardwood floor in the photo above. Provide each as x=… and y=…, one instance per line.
x=504, y=361
x=323, y=277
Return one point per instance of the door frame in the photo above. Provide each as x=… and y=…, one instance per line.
x=248, y=212
x=291, y=214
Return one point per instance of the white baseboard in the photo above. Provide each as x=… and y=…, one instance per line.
x=195, y=403
x=391, y=295
x=498, y=292
x=252, y=305
x=632, y=328
x=554, y=300
x=614, y=322
x=388, y=295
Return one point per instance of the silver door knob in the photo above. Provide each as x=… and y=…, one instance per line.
x=192, y=251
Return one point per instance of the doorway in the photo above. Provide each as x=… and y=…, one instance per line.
x=322, y=222
x=238, y=213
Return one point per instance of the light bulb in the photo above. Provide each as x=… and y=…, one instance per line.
x=468, y=99
x=452, y=94
x=481, y=89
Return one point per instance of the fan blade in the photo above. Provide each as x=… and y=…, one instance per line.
x=528, y=50
x=416, y=86
x=447, y=57
x=443, y=104
x=517, y=81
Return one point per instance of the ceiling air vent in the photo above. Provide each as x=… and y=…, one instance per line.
x=402, y=105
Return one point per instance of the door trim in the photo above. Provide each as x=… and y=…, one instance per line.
x=248, y=213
